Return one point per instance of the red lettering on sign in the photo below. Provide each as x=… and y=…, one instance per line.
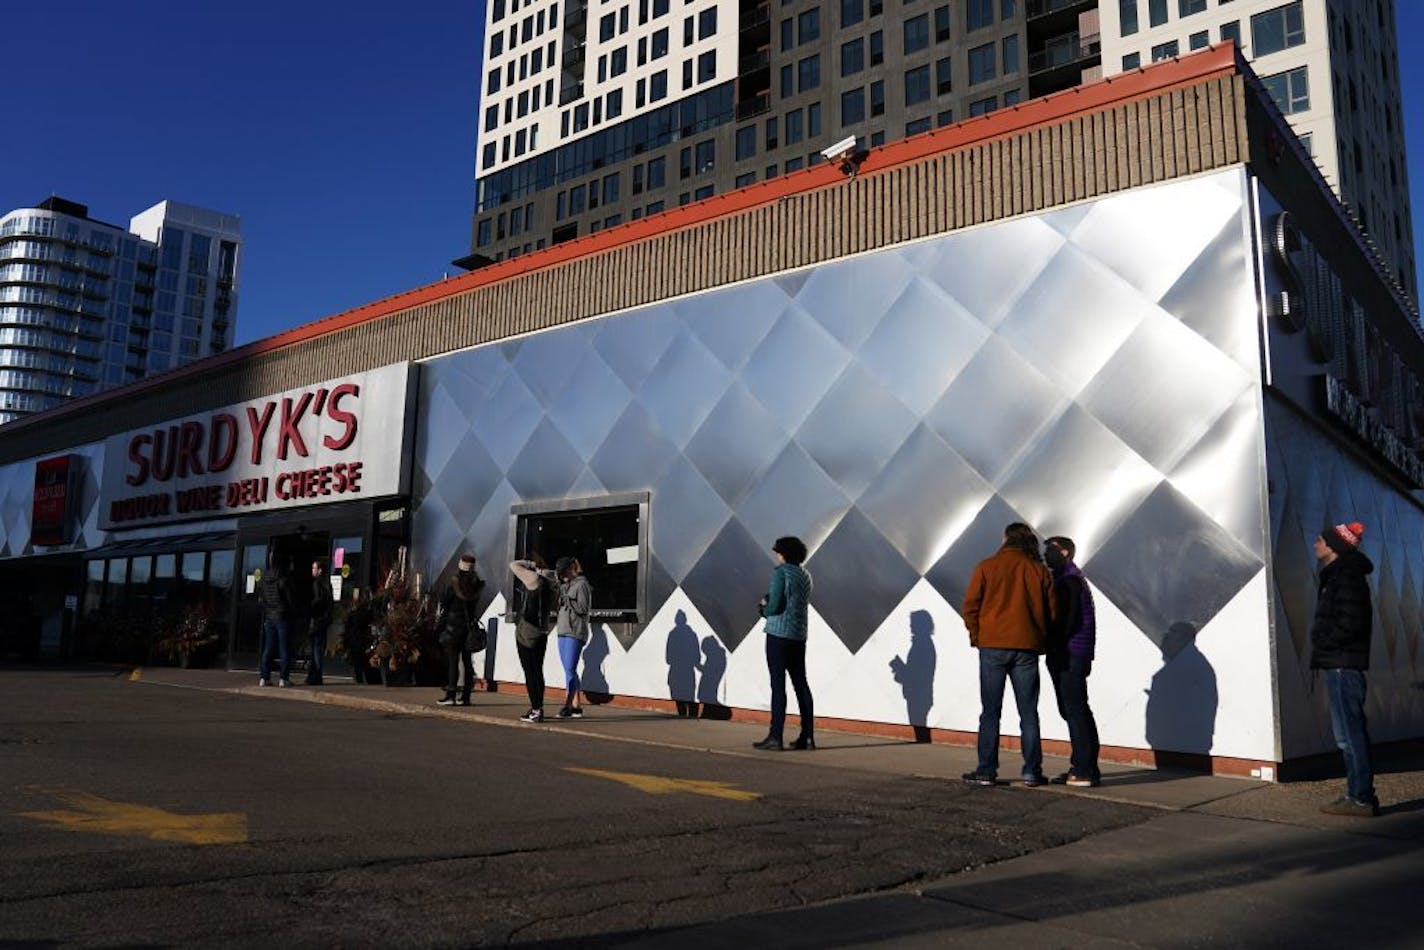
x=137, y=457
x=340, y=415
x=257, y=425
x=190, y=440
x=222, y=441
x=165, y=452
x=287, y=432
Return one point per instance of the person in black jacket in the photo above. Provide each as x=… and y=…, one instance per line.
x=460, y=614
x=319, y=620
x=1340, y=645
x=274, y=593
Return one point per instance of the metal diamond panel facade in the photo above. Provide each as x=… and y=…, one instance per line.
x=1075, y=370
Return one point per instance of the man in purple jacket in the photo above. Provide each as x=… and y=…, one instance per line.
x=1070, y=660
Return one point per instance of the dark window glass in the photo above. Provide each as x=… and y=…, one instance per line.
x=853, y=107
x=852, y=57
x=788, y=34
x=981, y=64
x=788, y=81
x=706, y=23
x=657, y=172
x=917, y=33
x=1011, y=55
x=917, y=126
x=1277, y=29
x=1127, y=16
x=978, y=14
x=852, y=12
x=1131, y=61
x=877, y=98
x=943, y=76
x=813, y=119
x=794, y=127
x=808, y=73
x=1188, y=7
x=744, y=179
x=707, y=66
x=808, y=25
x=983, y=106
x=1198, y=40
x=746, y=142
x=941, y=24
x=1156, y=12
x=1165, y=50
x=1291, y=90
x=877, y=48
x=772, y=141
x=917, y=85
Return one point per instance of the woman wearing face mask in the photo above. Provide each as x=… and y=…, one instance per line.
x=575, y=603
x=1070, y=659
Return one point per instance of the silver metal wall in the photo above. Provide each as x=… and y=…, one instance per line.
x=1093, y=371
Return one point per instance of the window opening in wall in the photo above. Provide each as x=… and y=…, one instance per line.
x=609, y=538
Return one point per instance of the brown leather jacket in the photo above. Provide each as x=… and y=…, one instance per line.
x=1009, y=604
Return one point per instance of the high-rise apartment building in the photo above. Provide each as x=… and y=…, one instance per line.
x=596, y=112
x=1332, y=67
x=86, y=305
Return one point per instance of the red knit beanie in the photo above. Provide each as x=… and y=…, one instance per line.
x=1344, y=538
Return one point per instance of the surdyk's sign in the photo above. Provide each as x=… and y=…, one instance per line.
x=334, y=441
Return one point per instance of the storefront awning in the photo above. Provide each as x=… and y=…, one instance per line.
x=182, y=542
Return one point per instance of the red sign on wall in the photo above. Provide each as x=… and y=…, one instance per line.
x=50, y=519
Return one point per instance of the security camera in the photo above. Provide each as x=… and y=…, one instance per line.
x=843, y=149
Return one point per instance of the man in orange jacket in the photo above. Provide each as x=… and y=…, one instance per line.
x=1008, y=609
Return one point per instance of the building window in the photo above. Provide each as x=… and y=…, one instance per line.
x=877, y=7
x=853, y=107
x=983, y=106
x=808, y=73
x=1231, y=31
x=707, y=23
x=1012, y=97
x=747, y=178
x=788, y=34
x=492, y=81
x=808, y=25
x=707, y=66
x=852, y=57
x=978, y=14
x=578, y=203
x=772, y=140
x=917, y=126
x=852, y=12
x=482, y=233
x=788, y=81
x=1188, y=7
x=877, y=98
x=794, y=165
x=607, y=27
x=1277, y=29
x=1156, y=12
x=615, y=104
x=491, y=118
x=1131, y=61
x=660, y=43
x=608, y=535
x=657, y=86
x=944, y=118
x=1011, y=55
x=877, y=48
x=610, y=188
x=618, y=61
x=704, y=192
x=943, y=76
x=746, y=142
x=917, y=33
x=941, y=24
x=1291, y=90
x=794, y=127
x=981, y=64
x=1198, y=40
x=637, y=179
x=1164, y=51
x=813, y=119
x=917, y=85
x=657, y=172
x=1127, y=16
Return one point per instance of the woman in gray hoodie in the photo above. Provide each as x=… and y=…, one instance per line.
x=575, y=603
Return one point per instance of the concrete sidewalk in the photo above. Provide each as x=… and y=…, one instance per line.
x=1228, y=862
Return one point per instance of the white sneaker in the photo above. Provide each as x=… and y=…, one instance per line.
x=533, y=715
x=284, y=683
x=263, y=682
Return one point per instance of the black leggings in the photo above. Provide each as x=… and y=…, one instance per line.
x=531, y=659
x=455, y=655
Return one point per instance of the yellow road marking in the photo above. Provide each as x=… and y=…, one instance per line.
x=101, y=816
x=136, y=675
x=663, y=785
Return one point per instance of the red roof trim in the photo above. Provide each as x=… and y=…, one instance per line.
x=1048, y=110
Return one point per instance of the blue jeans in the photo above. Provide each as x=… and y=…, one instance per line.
x=1347, y=720
x=1070, y=688
x=785, y=658
x=274, y=631
x=570, y=648
x=1021, y=667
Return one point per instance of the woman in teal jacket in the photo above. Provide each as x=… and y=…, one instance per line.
x=785, y=608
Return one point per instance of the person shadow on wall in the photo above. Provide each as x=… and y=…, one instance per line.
x=709, y=690
x=1182, y=700
x=915, y=673
x=683, y=656
x=593, y=681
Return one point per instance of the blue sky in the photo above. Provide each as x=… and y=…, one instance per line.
x=343, y=134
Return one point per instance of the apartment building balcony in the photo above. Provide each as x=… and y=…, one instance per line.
x=1060, y=62
x=755, y=106
x=570, y=93
x=1037, y=9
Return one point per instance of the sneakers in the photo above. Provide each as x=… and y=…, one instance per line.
x=284, y=683
x=464, y=701
x=979, y=778
x=447, y=700
x=264, y=681
x=1034, y=781
x=1079, y=781
x=1350, y=808
x=533, y=715
x=566, y=713
x=576, y=712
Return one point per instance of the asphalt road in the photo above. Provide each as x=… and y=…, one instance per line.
x=139, y=814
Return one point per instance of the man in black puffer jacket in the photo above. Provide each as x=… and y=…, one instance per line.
x=1340, y=645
